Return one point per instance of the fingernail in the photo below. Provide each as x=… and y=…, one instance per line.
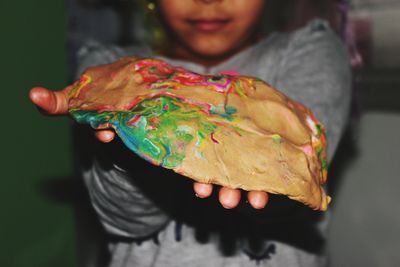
x=109, y=136
x=258, y=203
x=227, y=201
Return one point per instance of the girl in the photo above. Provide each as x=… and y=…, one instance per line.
x=151, y=219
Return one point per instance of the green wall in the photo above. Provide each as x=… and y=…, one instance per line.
x=36, y=225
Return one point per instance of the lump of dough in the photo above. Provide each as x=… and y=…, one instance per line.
x=234, y=131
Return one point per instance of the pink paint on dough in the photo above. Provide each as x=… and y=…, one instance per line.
x=308, y=149
x=105, y=108
x=230, y=72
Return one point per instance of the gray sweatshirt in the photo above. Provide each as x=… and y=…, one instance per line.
x=152, y=215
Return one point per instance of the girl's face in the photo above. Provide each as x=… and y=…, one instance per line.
x=209, y=31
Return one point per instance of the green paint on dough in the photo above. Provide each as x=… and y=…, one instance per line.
x=324, y=164
x=161, y=134
x=277, y=138
x=319, y=129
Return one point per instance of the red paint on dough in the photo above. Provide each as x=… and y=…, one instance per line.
x=213, y=139
x=134, y=120
x=84, y=78
x=230, y=89
x=154, y=120
x=134, y=102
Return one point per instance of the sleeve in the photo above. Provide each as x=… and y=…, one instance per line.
x=120, y=203
x=94, y=53
x=122, y=207
x=316, y=71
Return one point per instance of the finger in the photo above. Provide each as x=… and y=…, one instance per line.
x=105, y=136
x=202, y=190
x=229, y=198
x=51, y=102
x=257, y=199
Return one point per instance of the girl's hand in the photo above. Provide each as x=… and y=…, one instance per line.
x=56, y=103
x=230, y=198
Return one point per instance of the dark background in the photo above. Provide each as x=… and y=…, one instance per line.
x=36, y=227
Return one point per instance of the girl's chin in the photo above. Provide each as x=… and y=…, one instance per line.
x=216, y=47
x=210, y=50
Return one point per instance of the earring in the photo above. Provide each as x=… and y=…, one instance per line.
x=156, y=30
x=150, y=6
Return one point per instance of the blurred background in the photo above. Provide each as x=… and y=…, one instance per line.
x=39, y=44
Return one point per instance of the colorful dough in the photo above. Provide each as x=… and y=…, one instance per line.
x=229, y=130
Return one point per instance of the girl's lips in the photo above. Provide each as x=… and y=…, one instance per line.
x=208, y=25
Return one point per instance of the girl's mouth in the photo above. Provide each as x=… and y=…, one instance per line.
x=208, y=24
